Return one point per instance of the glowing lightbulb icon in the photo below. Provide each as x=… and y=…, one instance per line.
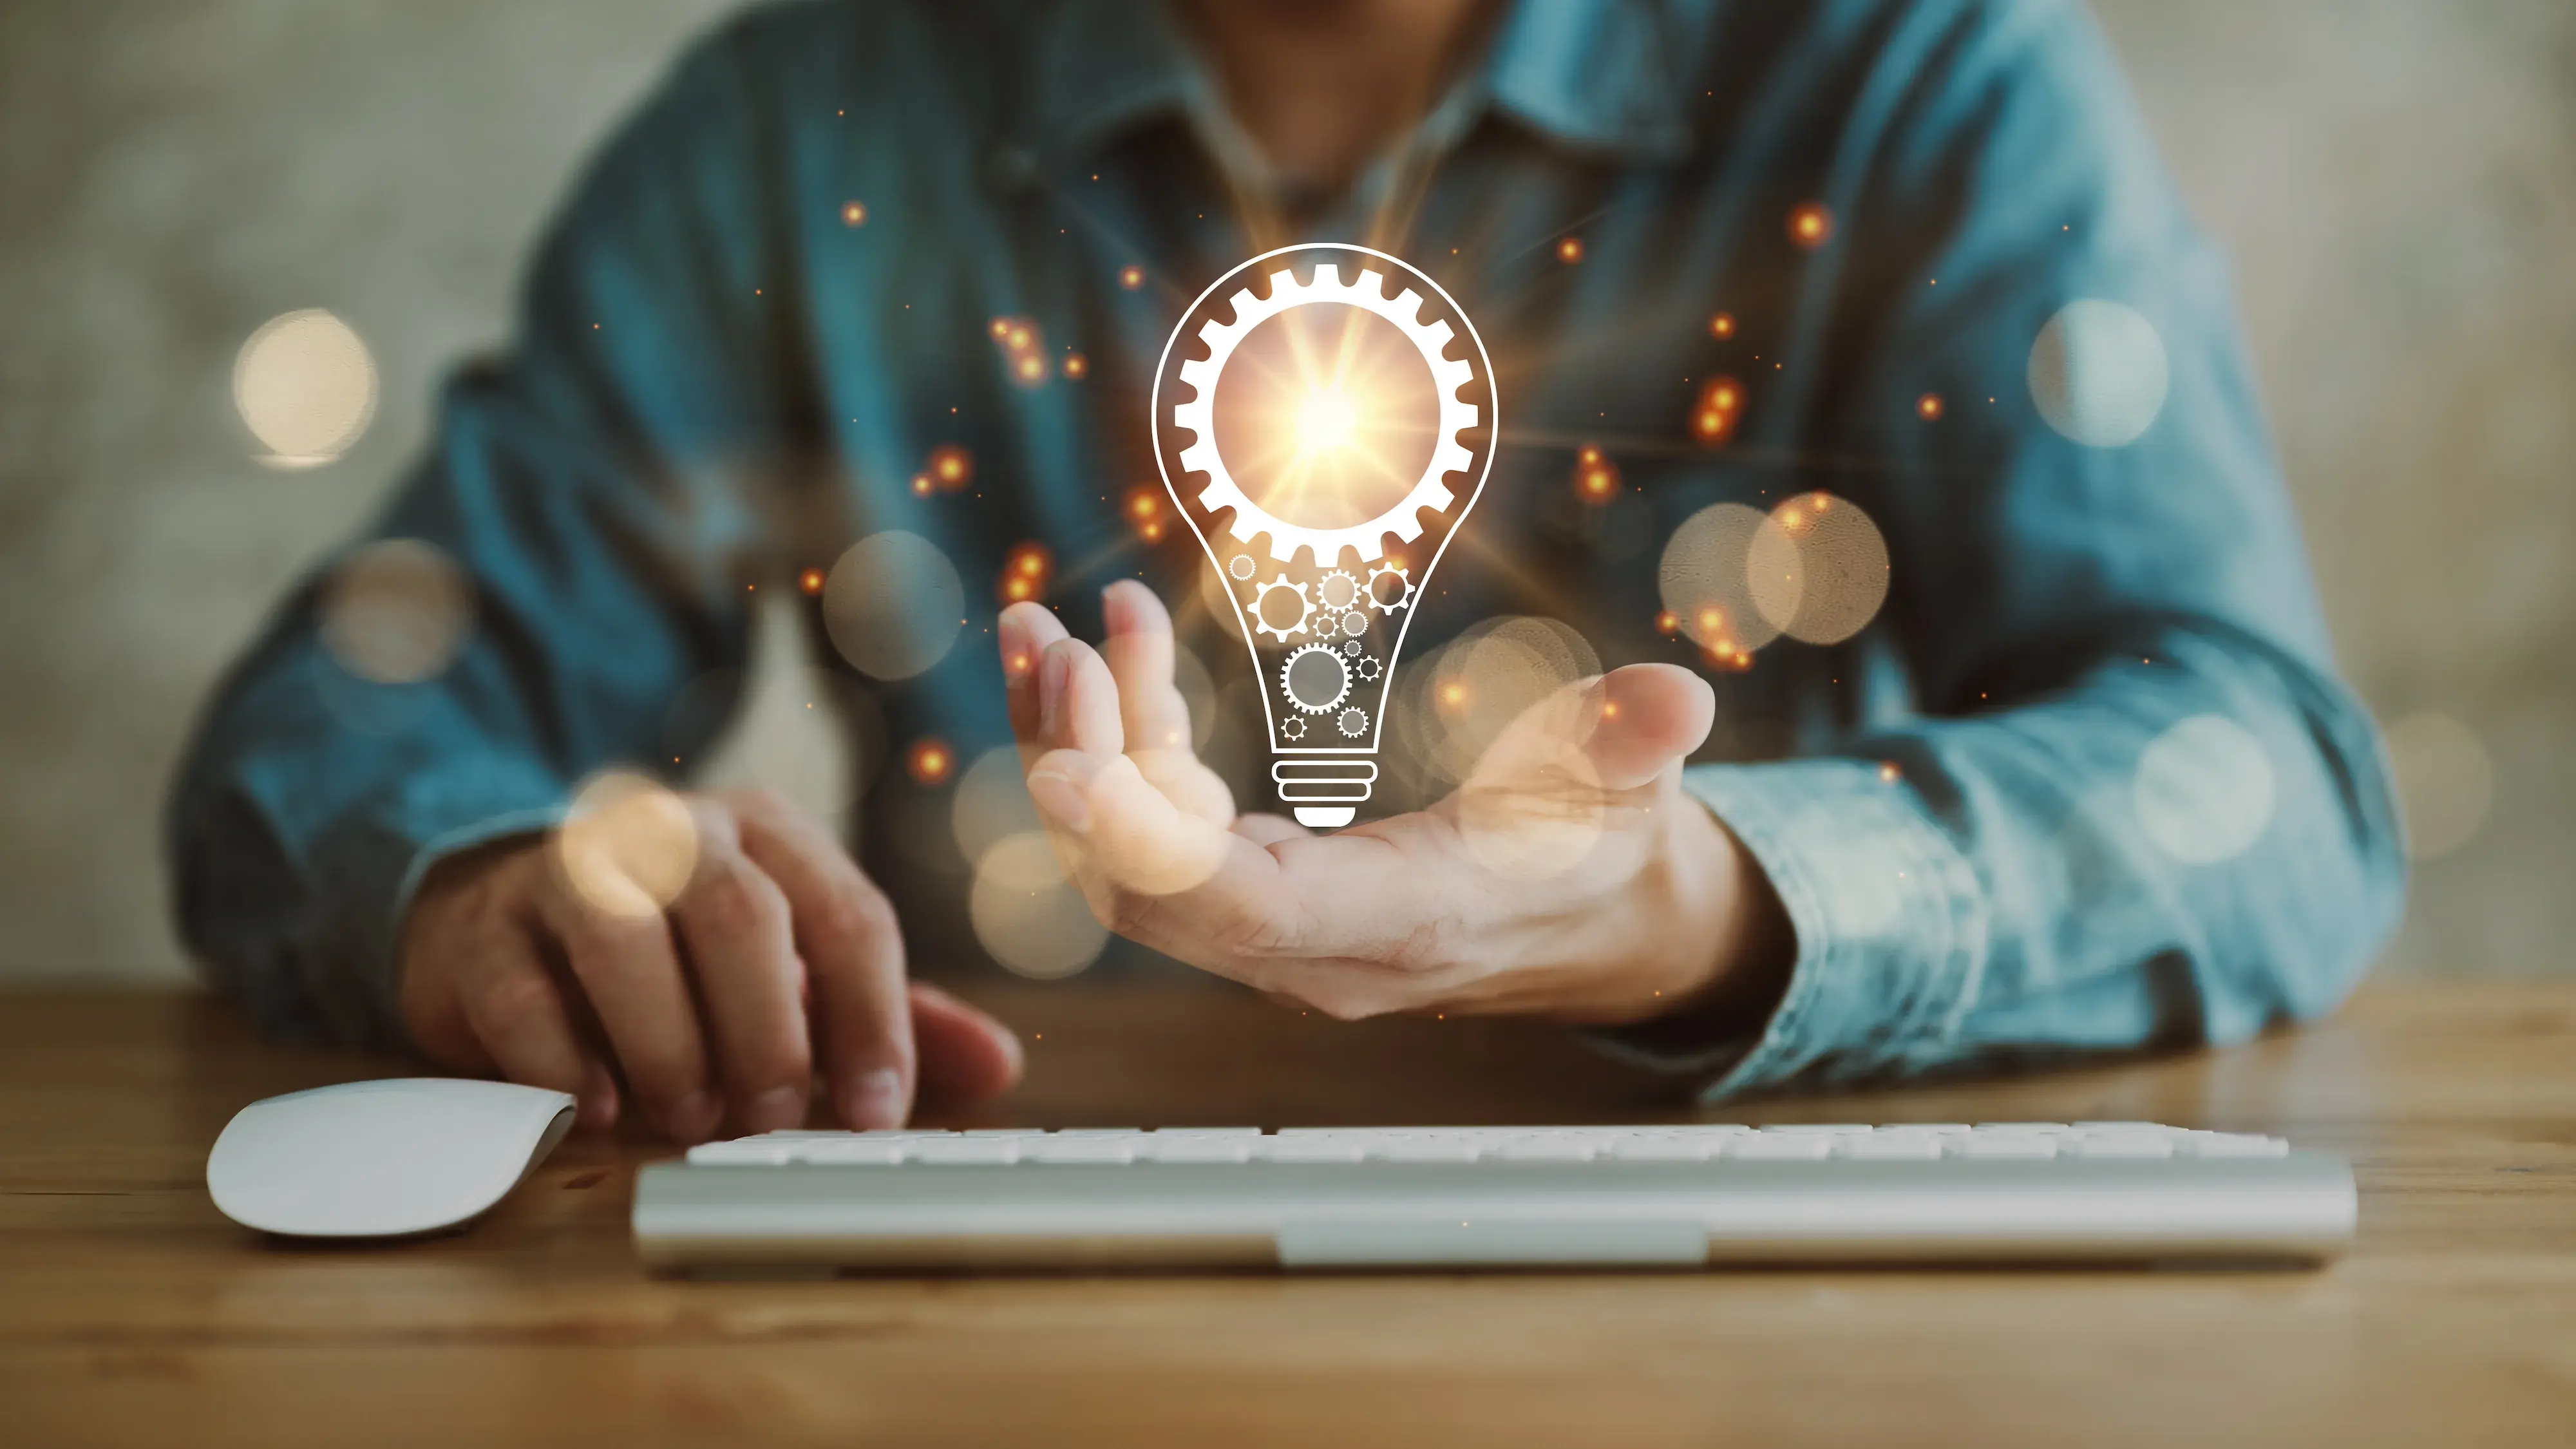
x=1323, y=443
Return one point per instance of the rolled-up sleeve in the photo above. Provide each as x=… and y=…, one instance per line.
x=590, y=490
x=2124, y=801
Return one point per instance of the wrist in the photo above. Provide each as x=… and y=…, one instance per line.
x=1722, y=945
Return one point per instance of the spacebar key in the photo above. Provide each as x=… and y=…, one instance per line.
x=1349, y=1244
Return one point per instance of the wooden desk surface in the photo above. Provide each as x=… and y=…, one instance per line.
x=130, y=1313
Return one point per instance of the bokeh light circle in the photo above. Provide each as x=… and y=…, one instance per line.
x=1705, y=578
x=2445, y=782
x=1466, y=694
x=2204, y=790
x=992, y=802
x=305, y=386
x=627, y=845
x=2098, y=372
x=1817, y=569
x=893, y=605
x=1028, y=916
x=396, y=611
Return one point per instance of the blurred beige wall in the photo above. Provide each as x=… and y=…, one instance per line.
x=2396, y=179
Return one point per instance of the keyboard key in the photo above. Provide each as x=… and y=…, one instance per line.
x=855, y=1151
x=1548, y=1147
x=1309, y=1148
x=967, y=1152
x=1427, y=1147
x=1665, y=1147
x=2026, y=1146
x=1768, y=1146
x=2123, y=1144
x=1083, y=1148
x=1815, y=1129
x=1889, y=1146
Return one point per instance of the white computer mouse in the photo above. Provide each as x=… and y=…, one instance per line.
x=381, y=1159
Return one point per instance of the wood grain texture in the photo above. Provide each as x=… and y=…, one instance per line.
x=131, y=1313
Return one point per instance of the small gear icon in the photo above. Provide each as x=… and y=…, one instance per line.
x=1242, y=566
x=1403, y=587
x=1365, y=292
x=1293, y=727
x=1353, y=721
x=1367, y=668
x=1315, y=679
x=1350, y=649
x=1338, y=589
x=1258, y=610
x=1354, y=623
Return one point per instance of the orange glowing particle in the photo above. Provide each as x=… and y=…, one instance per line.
x=929, y=760
x=854, y=213
x=1151, y=532
x=1020, y=339
x=1722, y=326
x=1000, y=328
x=1887, y=772
x=1031, y=369
x=1609, y=709
x=1144, y=502
x=1452, y=695
x=1810, y=225
x=1076, y=366
x=1668, y=623
x=1790, y=518
x=952, y=465
x=1712, y=621
x=1928, y=406
x=811, y=581
x=1026, y=571
x=1721, y=400
x=923, y=484
x=1131, y=277
x=1569, y=250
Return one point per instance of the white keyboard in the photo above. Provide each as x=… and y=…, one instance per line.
x=1392, y=1197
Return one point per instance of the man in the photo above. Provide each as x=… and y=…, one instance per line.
x=1951, y=838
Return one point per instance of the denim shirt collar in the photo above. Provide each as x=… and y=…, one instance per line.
x=1593, y=75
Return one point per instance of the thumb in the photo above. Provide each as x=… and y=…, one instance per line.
x=1649, y=718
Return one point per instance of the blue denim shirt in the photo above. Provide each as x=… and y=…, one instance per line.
x=1968, y=809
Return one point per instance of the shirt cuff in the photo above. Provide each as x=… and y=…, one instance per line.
x=374, y=860
x=1890, y=922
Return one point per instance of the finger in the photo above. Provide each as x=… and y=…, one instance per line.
x=846, y=930
x=742, y=950
x=966, y=1055
x=1139, y=648
x=627, y=966
x=1652, y=717
x=518, y=1014
x=1186, y=781
x=1078, y=701
x=1025, y=631
x=1127, y=833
